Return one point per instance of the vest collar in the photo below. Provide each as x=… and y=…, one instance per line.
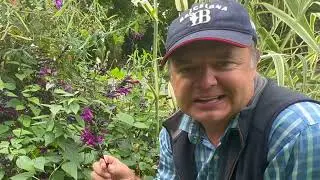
x=245, y=115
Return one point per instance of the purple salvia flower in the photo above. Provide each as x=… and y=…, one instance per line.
x=67, y=88
x=129, y=80
x=54, y=72
x=90, y=139
x=112, y=94
x=120, y=91
x=87, y=115
x=58, y=4
x=43, y=150
x=1, y=109
x=42, y=82
x=124, y=90
x=11, y=113
x=137, y=36
x=87, y=137
x=99, y=139
x=44, y=71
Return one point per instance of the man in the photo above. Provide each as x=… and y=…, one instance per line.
x=233, y=123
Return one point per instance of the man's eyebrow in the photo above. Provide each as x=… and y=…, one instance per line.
x=224, y=53
x=181, y=60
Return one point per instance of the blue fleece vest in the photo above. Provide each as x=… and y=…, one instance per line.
x=245, y=152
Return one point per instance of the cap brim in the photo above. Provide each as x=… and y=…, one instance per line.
x=230, y=37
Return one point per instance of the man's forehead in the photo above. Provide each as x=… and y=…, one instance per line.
x=203, y=50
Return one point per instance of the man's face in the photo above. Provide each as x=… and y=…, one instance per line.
x=212, y=81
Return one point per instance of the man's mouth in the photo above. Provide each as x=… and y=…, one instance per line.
x=209, y=99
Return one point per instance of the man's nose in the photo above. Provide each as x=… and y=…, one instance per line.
x=207, y=77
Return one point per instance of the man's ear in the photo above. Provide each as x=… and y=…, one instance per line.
x=258, y=55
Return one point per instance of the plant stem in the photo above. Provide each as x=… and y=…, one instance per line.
x=155, y=63
x=56, y=169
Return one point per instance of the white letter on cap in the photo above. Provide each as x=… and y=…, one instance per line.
x=195, y=8
x=200, y=17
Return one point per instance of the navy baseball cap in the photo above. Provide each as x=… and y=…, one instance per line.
x=221, y=20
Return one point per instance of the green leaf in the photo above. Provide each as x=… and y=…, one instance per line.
x=181, y=5
x=23, y=176
x=16, y=143
x=59, y=130
x=140, y=125
x=126, y=118
x=14, y=103
x=88, y=158
x=26, y=73
x=24, y=162
x=17, y=152
x=86, y=173
x=54, y=159
x=293, y=6
x=26, y=95
x=300, y=17
x=58, y=175
x=1, y=84
x=35, y=110
x=10, y=94
x=1, y=174
x=20, y=76
x=20, y=132
x=39, y=163
x=268, y=39
x=71, y=168
x=20, y=107
x=49, y=85
x=105, y=107
x=304, y=72
x=80, y=121
x=41, y=117
x=4, y=144
x=48, y=138
x=4, y=151
x=34, y=100
x=70, y=149
x=38, y=130
x=59, y=91
x=71, y=153
x=294, y=25
x=63, y=93
x=71, y=100
x=32, y=88
x=3, y=128
x=74, y=107
x=143, y=165
x=50, y=125
x=279, y=64
x=117, y=73
x=25, y=120
x=10, y=86
x=55, y=109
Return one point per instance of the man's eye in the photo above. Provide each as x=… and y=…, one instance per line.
x=186, y=69
x=226, y=65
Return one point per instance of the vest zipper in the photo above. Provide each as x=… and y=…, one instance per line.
x=236, y=161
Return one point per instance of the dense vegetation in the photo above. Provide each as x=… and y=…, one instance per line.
x=81, y=78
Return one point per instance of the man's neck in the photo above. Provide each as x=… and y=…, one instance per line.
x=215, y=131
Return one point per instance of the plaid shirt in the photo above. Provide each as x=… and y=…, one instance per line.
x=294, y=150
